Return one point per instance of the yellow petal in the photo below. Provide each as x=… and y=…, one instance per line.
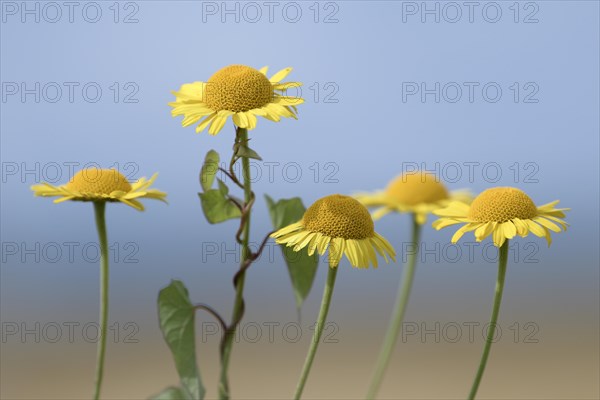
x=336, y=249
x=288, y=100
x=133, y=203
x=454, y=209
x=205, y=122
x=421, y=217
x=484, y=230
x=351, y=252
x=64, y=199
x=547, y=224
x=522, y=227
x=192, y=90
x=258, y=111
x=444, y=222
x=240, y=119
x=466, y=228
x=371, y=253
x=217, y=125
x=279, y=76
x=285, y=86
x=548, y=237
x=498, y=236
x=377, y=214
x=323, y=244
x=559, y=221
x=313, y=245
x=535, y=228
x=251, y=120
x=287, y=229
x=548, y=206
x=305, y=242
x=508, y=229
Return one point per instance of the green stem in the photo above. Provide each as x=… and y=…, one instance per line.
x=242, y=138
x=502, y=261
x=318, y=330
x=391, y=335
x=99, y=208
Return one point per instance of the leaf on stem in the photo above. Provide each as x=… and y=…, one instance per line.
x=245, y=151
x=209, y=170
x=218, y=206
x=301, y=267
x=176, y=316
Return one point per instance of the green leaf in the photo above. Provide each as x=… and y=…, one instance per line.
x=217, y=207
x=209, y=170
x=176, y=316
x=172, y=393
x=223, y=187
x=301, y=267
x=245, y=151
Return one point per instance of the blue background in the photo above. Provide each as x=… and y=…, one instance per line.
x=369, y=135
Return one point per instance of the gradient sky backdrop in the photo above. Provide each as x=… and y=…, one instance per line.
x=359, y=130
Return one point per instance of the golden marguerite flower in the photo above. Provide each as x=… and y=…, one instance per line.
x=418, y=192
x=239, y=92
x=502, y=212
x=341, y=223
x=93, y=184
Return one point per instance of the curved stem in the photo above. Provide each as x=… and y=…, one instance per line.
x=318, y=330
x=391, y=335
x=502, y=261
x=238, y=305
x=99, y=208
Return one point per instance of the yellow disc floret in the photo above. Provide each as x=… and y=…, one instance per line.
x=502, y=204
x=238, y=88
x=339, y=216
x=412, y=189
x=99, y=181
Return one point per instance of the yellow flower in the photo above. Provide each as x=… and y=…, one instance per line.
x=341, y=223
x=419, y=193
x=238, y=91
x=503, y=212
x=96, y=185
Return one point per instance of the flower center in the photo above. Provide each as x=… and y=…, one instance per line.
x=238, y=88
x=415, y=188
x=100, y=181
x=502, y=204
x=339, y=216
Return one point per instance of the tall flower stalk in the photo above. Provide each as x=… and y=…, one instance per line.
x=417, y=193
x=240, y=93
x=503, y=213
x=321, y=319
x=502, y=262
x=99, y=208
x=101, y=186
x=345, y=226
x=391, y=336
x=246, y=259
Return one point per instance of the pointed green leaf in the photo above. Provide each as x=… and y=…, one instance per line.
x=217, y=207
x=176, y=316
x=245, y=151
x=172, y=393
x=301, y=267
x=223, y=187
x=209, y=170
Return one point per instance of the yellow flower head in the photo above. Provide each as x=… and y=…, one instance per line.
x=416, y=192
x=95, y=184
x=342, y=223
x=238, y=91
x=503, y=212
